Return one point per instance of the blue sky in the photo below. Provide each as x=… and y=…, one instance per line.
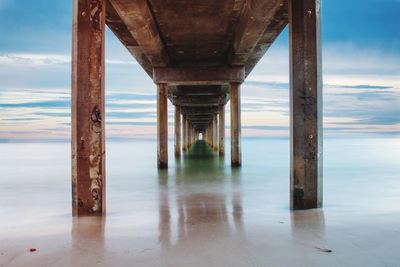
x=361, y=57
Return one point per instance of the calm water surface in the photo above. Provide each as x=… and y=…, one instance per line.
x=201, y=202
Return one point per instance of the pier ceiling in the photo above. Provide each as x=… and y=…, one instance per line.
x=207, y=33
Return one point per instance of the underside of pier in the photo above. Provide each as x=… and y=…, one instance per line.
x=198, y=54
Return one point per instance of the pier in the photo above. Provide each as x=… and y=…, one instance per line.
x=198, y=55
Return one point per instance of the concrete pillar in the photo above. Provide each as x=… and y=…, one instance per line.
x=305, y=104
x=212, y=133
x=221, y=123
x=189, y=135
x=215, y=131
x=87, y=117
x=162, y=125
x=207, y=135
x=184, y=133
x=236, y=155
x=177, y=131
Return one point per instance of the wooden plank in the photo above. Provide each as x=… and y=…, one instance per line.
x=138, y=19
x=88, y=146
x=211, y=75
x=305, y=104
x=162, y=125
x=236, y=154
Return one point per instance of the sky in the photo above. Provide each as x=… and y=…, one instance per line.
x=361, y=74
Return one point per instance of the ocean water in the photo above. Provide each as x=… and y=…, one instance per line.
x=201, y=202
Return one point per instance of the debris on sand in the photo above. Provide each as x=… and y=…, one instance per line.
x=324, y=249
x=32, y=249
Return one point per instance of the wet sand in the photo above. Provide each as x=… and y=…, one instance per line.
x=198, y=213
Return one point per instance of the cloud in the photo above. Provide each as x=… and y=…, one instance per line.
x=39, y=104
x=343, y=64
x=129, y=96
x=361, y=94
x=266, y=127
x=47, y=59
x=134, y=123
x=375, y=120
x=363, y=86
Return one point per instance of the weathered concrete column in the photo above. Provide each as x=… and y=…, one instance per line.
x=162, y=125
x=177, y=131
x=207, y=135
x=189, y=135
x=184, y=133
x=236, y=155
x=305, y=104
x=87, y=113
x=221, y=112
x=215, y=131
x=210, y=135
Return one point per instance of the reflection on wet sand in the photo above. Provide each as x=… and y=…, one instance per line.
x=87, y=240
x=308, y=228
x=206, y=202
x=200, y=213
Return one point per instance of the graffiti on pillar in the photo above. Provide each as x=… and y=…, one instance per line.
x=96, y=7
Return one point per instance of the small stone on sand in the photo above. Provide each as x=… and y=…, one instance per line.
x=324, y=249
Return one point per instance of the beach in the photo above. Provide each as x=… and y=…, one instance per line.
x=201, y=212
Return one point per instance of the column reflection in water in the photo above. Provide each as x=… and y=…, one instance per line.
x=87, y=240
x=308, y=228
x=200, y=202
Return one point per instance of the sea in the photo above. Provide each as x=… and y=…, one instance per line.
x=201, y=206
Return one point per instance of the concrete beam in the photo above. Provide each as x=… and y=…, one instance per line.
x=193, y=76
x=162, y=125
x=274, y=27
x=205, y=110
x=138, y=19
x=118, y=27
x=193, y=101
x=88, y=122
x=305, y=104
x=256, y=15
